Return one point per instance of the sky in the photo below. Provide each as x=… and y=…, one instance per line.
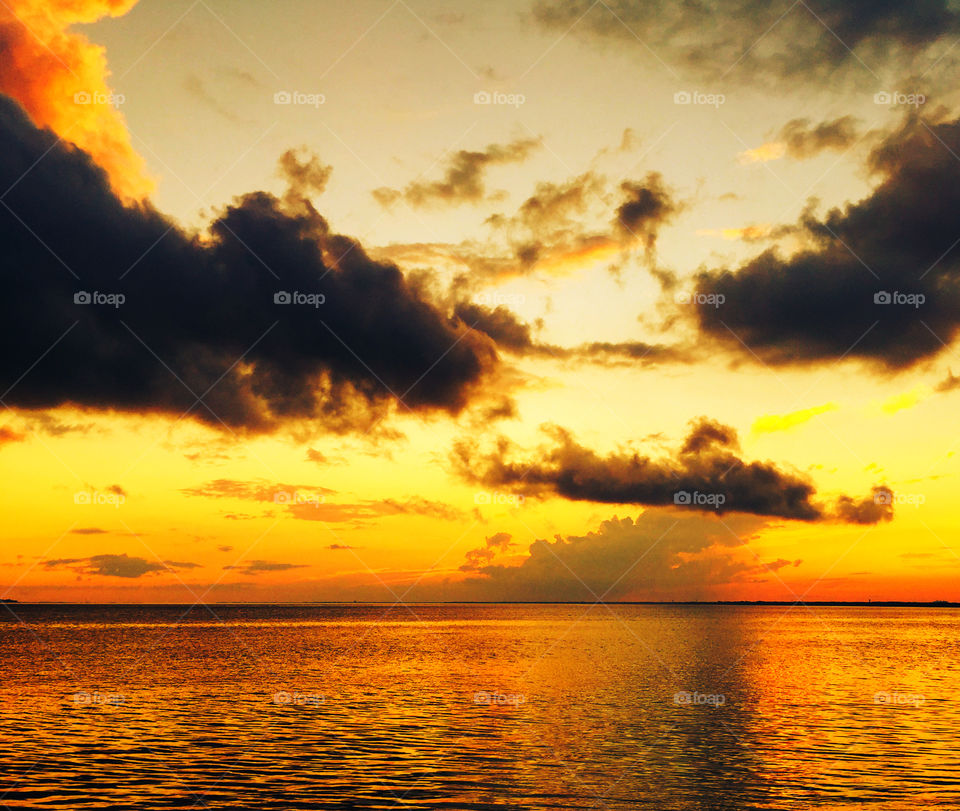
x=435, y=301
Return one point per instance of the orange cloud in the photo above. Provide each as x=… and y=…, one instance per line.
x=60, y=79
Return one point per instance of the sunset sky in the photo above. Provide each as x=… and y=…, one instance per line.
x=518, y=301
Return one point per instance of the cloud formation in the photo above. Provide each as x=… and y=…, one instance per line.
x=880, y=282
x=658, y=555
x=60, y=79
x=109, y=565
x=752, y=40
x=706, y=474
x=464, y=176
x=270, y=318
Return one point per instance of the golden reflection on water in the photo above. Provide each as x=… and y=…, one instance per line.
x=536, y=707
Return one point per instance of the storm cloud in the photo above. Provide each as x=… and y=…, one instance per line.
x=267, y=318
x=879, y=282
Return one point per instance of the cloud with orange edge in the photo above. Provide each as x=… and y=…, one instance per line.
x=61, y=79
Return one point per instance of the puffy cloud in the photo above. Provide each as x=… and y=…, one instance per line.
x=659, y=555
x=60, y=79
x=200, y=328
x=880, y=282
x=707, y=474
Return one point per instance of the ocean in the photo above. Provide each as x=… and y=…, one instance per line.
x=478, y=706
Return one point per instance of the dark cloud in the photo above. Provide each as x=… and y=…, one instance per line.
x=89, y=531
x=647, y=206
x=759, y=41
x=802, y=140
x=199, y=316
x=876, y=507
x=464, y=177
x=116, y=565
x=705, y=474
x=880, y=281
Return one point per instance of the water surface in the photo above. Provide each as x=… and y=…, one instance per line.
x=478, y=706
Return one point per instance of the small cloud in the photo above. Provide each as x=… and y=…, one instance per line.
x=7, y=434
x=908, y=399
x=783, y=422
x=771, y=151
x=109, y=565
x=259, y=566
x=88, y=531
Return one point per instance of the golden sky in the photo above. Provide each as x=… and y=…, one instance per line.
x=549, y=301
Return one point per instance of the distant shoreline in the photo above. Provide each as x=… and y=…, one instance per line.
x=734, y=603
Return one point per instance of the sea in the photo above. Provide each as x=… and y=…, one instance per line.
x=444, y=706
